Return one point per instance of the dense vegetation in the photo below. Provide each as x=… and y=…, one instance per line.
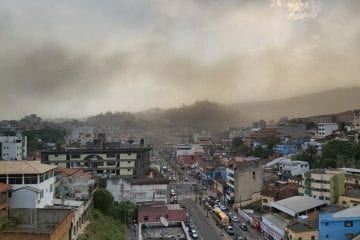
x=109, y=219
x=239, y=148
x=335, y=153
x=103, y=227
x=37, y=139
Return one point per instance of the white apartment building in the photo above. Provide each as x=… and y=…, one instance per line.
x=326, y=129
x=32, y=183
x=13, y=147
x=293, y=168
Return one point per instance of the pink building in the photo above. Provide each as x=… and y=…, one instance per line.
x=153, y=213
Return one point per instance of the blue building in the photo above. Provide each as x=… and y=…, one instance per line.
x=340, y=225
x=288, y=147
x=217, y=173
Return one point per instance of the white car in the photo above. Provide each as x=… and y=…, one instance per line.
x=234, y=218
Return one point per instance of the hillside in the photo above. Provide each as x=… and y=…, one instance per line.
x=333, y=101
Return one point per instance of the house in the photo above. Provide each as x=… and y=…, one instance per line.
x=73, y=183
x=323, y=184
x=143, y=190
x=244, y=182
x=153, y=213
x=277, y=191
x=342, y=225
x=32, y=183
x=38, y=224
x=350, y=198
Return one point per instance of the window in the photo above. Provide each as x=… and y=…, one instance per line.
x=56, y=155
x=146, y=218
x=110, y=163
x=41, y=178
x=41, y=194
x=343, y=202
x=51, y=187
x=265, y=200
x=30, y=179
x=326, y=224
x=128, y=169
x=15, y=179
x=75, y=155
x=3, y=178
x=348, y=224
x=300, y=238
x=110, y=155
x=128, y=161
x=312, y=237
x=166, y=216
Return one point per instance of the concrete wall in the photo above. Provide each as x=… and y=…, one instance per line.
x=247, y=183
x=23, y=198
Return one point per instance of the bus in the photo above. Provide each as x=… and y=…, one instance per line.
x=221, y=217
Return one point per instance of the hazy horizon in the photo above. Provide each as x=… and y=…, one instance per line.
x=77, y=59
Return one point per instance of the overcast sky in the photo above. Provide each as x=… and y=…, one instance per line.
x=76, y=58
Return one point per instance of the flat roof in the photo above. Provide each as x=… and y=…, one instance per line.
x=301, y=227
x=96, y=151
x=24, y=167
x=348, y=213
x=297, y=204
x=277, y=219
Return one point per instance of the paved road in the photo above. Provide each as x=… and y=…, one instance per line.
x=205, y=226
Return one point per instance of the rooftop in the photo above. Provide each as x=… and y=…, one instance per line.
x=348, y=213
x=297, y=204
x=96, y=151
x=300, y=227
x=355, y=193
x=158, y=231
x=277, y=219
x=24, y=167
x=71, y=172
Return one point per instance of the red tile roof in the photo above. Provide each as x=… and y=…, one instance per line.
x=4, y=187
x=72, y=172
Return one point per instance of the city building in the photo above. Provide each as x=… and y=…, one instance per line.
x=347, y=116
x=291, y=130
x=153, y=213
x=323, y=184
x=173, y=230
x=81, y=136
x=326, y=129
x=352, y=178
x=138, y=191
x=301, y=231
x=38, y=224
x=203, y=138
x=73, y=183
x=281, y=222
x=342, y=225
x=262, y=135
x=243, y=182
x=130, y=162
x=350, y=198
x=287, y=168
x=13, y=147
x=259, y=124
x=32, y=183
x=277, y=191
x=287, y=148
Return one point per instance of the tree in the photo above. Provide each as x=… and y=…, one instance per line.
x=335, y=148
x=123, y=211
x=103, y=200
x=237, y=142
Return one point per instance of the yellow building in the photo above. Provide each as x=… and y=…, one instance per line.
x=350, y=199
x=300, y=231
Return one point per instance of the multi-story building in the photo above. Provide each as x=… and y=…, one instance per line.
x=333, y=118
x=352, y=178
x=81, y=136
x=342, y=225
x=262, y=135
x=326, y=129
x=243, y=182
x=276, y=192
x=153, y=213
x=323, y=184
x=259, y=124
x=350, y=199
x=130, y=162
x=13, y=147
x=203, y=138
x=356, y=120
x=32, y=183
x=291, y=130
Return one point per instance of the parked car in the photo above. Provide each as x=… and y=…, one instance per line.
x=223, y=207
x=230, y=230
x=234, y=218
x=243, y=226
x=194, y=234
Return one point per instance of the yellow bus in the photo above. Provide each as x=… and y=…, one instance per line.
x=221, y=217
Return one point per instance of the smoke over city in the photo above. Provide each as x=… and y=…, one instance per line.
x=79, y=58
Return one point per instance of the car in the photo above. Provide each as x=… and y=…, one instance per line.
x=223, y=207
x=215, y=206
x=194, y=234
x=217, y=201
x=231, y=214
x=230, y=230
x=243, y=226
x=234, y=218
x=186, y=179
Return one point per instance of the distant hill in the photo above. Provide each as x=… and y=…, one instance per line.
x=326, y=102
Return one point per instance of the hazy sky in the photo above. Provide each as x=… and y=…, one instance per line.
x=77, y=58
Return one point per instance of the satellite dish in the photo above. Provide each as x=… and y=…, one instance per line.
x=164, y=222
